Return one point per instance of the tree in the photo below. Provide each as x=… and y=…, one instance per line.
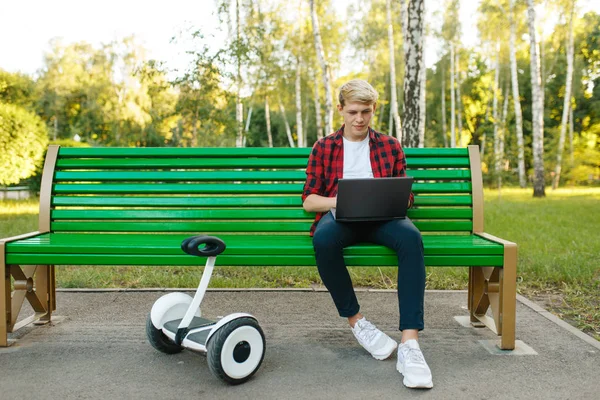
x=452, y=99
x=450, y=33
x=537, y=107
x=325, y=71
x=412, y=74
x=516, y=96
x=394, y=116
x=239, y=109
x=299, y=133
x=423, y=99
x=495, y=113
x=23, y=140
x=17, y=89
x=567, y=100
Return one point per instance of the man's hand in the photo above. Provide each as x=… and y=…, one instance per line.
x=317, y=203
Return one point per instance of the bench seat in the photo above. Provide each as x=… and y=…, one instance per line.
x=242, y=250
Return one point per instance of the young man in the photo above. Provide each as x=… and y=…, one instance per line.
x=357, y=151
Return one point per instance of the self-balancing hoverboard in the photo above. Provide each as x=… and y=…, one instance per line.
x=234, y=345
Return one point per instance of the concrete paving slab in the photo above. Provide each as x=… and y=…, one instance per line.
x=99, y=350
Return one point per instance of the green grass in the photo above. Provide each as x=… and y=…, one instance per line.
x=559, y=256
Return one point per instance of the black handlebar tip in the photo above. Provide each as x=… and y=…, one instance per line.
x=213, y=246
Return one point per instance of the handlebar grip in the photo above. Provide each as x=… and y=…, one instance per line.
x=213, y=246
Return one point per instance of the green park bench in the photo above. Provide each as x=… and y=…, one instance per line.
x=134, y=206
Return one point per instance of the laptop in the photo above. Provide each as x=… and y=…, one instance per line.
x=372, y=199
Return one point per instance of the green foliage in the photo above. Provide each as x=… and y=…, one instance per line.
x=111, y=95
x=23, y=138
x=16, y=88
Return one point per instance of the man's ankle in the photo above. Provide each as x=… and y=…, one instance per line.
x=409, y=334
x=352, y=320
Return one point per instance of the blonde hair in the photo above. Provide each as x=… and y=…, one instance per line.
x=357, y=90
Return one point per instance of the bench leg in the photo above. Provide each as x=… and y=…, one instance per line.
x=39, y=295
x=508, y=299
x=495, y=288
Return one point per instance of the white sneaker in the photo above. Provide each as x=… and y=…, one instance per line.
x=380, y=345
x=413, y=366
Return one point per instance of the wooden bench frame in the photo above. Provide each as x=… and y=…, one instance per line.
x=490, y=288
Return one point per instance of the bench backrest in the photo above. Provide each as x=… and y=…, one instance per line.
x=215, y=190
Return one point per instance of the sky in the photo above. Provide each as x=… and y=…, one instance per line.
x=27, y=26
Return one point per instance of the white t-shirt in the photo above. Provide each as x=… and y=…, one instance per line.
x=357, y=162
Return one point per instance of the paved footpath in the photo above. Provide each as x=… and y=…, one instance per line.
x=96, y=349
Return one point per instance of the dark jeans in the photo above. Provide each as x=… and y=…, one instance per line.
x=400, y=235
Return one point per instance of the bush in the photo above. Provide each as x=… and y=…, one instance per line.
x=23, y=140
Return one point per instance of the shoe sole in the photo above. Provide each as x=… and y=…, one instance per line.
x=412, y=385
x=390, y=346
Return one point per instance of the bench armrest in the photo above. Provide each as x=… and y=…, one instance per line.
x=19, y=237
x=495, y=239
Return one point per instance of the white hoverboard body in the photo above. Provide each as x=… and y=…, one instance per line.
x=235, y=345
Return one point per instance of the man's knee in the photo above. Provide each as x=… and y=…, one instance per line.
x=407, y=234
x=325, y=236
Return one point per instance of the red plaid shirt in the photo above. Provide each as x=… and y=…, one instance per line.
x=326, y=164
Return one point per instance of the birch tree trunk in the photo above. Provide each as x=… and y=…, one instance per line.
x=487, y=119
x=503, y=135
x=458, y=101
x=239, y=109
x=404, y=18
x=299, y=134
x=381, y=113
x=195, y=129
x=495, y=112
x=394, y=92
x=444, y=127
x=571, y=128
x=412, y=73
x=247, y=129
x=268, y=119
x=452, y=99
x=306, y=119
x=566, y=103
x=537, y=107
x=288, y=131
x=324, y=69
x=423, y=99
x=516, y=97
x=317, y=105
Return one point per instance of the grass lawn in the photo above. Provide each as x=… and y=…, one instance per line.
x=558, y=239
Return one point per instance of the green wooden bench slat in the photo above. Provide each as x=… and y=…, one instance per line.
x=179, y=163
x=100, y=152
x=145, y=152
x=448, y=162
x=440, y=174
x=236, y=226
x=139, y=201
x=241, y=260
x=238, y=213
x=247, y=188
x=414, y=153
x=168, y=188
x=155, y=176
x=446, y=200
x=86, y=243
x=242, y=201
x=146, y=214
x=180, y=176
